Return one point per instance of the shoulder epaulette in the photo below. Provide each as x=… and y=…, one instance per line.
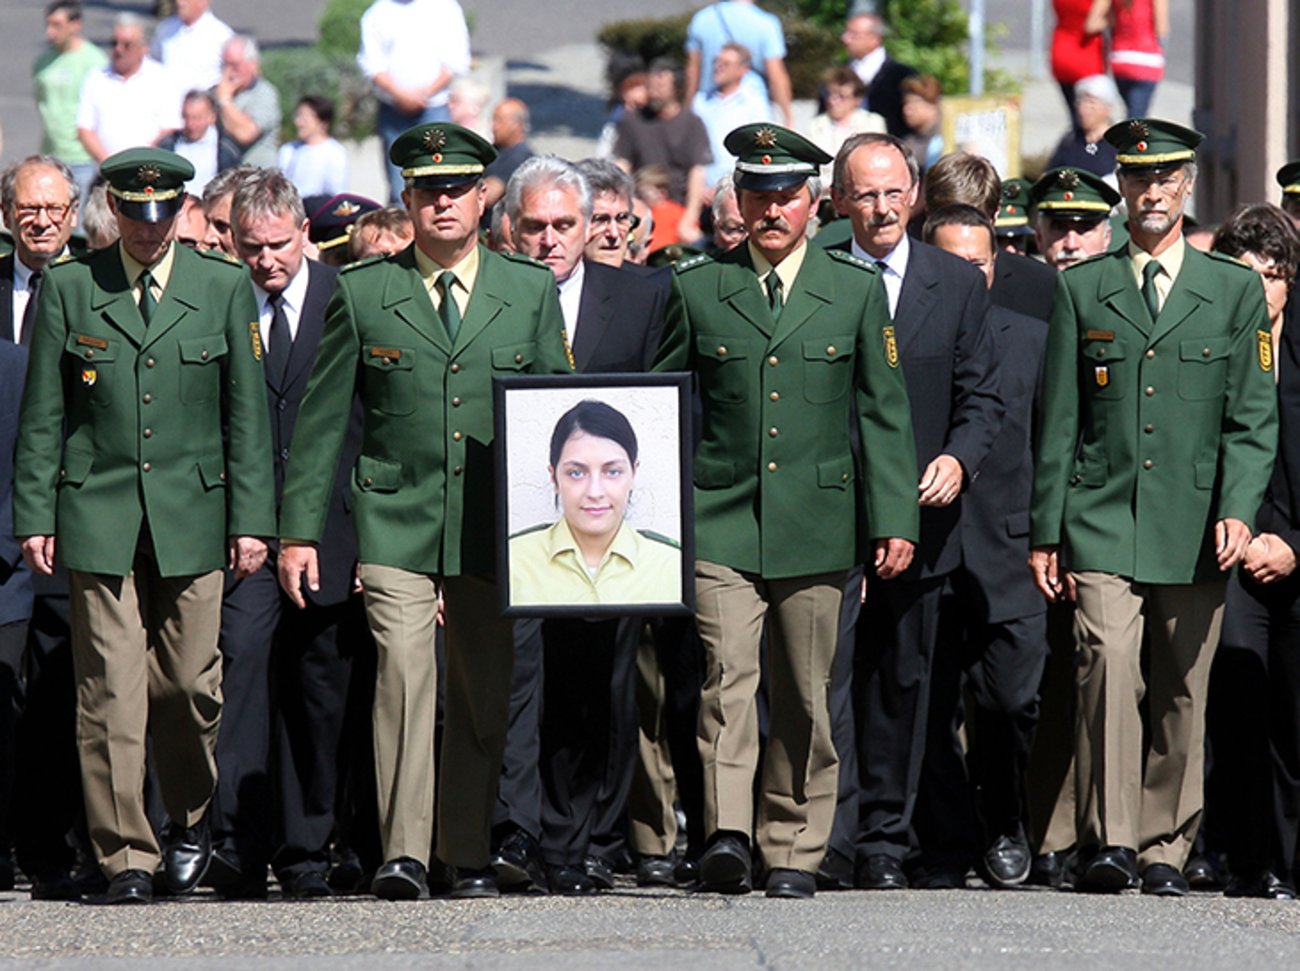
x=219, y=256
x=65, y=258
x=681, y=266
x=1225, y=258
x=660, y=538
x=526, y=260
x=376, y=258
x=1086, y=261
x=531, y=529
x=849, y=258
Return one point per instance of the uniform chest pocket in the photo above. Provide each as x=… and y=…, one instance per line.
x=1105, y=371
x=724, y=367
x=1203, y=367
x=516, y=358
x=93, y=364
x=201, y=368
x=389, y=382
x=827, y=368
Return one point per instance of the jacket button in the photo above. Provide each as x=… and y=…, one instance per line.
x=148, y=433
x=204, y=356
x=150, y=362
x=1149, y=429
x=63, y=473
x=455, y=369
x=148, y=466
x=147, y=399
x=1150, y=391
x=282, y=404
x=456, y=436
x=1101, y=352
x=367, y=481
x=775, y=396
x=844, y=477
x=1147, y=464
x=773, y=431
x=1205, y=352
x=222, y=477
x=1151, y=353
x=722, y=351
x=1076, y=478
x=831, y=350
x=773, y=361
x=458, y=470
x=89, y=354
x=455, y=402
x=519, y=359
x=284, y=454
x=771, y=466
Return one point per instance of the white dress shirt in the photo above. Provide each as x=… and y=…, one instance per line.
x=294, y=295
x=894, y=269
x=571, y=300
x=869, y=66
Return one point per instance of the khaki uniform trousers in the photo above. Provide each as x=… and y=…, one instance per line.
x=800, y=769
x=1154, y=809
x=144, y=651
x=401, y=606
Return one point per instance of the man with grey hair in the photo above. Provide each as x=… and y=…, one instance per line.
x=728, y=227
x=217, y=197
x=612, y=216
x=248, y=103
x=612, y=321
x=39, y=198
x=266, y=646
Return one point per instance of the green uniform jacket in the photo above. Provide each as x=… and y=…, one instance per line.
x=424, y=487
x=122, y=424
x=1151, y=433
x=776, y=493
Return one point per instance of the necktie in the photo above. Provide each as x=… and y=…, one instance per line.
x=775, y=294
x=29, y=312
x=448, y=310
x=277, y=355
x=147, y=302
x=1149, y=289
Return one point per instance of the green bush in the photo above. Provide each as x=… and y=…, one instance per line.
x=296, y=71
x=339, y=28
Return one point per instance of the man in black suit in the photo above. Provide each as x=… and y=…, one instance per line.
x=992, y=622
x=864, y=40
x=39, y=196
x=581, y=738
x=938, y=304
x=285, y=671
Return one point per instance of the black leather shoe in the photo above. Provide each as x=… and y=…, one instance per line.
x=569, y=881
x=517, y=863
x=725, y=866
x=130, y=887
x=687, y=871
x=1113, y=869
x=880, y=872
x=657, y=871
x=835, y=872
x=1164, y=880
x=346, y=877
x=1266, y=885
x=941, y=876
x=1049, y=869
x=401, y=879
x=791, y=884
x=470, y=884
x=1202, y=873
x=6, y=872
x=186, y=852
x=305, y=885
x=55, y=885
x=599, y=872
x=1006, y=863
x=231, y=880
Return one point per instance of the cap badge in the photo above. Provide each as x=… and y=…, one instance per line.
x=346, y=208
x=1069, y=180
x=148, y=174
x=1011, y=190
x=1139, y=129
x=435, y=139
x=765, y=138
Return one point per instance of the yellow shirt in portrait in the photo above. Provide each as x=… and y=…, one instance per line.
x=547, y=569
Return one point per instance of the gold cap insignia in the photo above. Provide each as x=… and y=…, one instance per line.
x=1011, y=190
x=435, y=139
x=1139, y=129
x=765, y=138
x=1069, y=180
x=346, y=208
x=148, y=174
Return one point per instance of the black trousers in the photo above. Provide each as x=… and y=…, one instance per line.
x=1253, y=721
x=519, y=797
x=13, y=643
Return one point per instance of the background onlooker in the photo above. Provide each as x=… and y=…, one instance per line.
x=384, y=231
x=632, y=96
x=864, y=41
x=1138, y=30
x=1097, y=106
x=510, y=125
x=248, y=103
x=57, y=76
x=759, y=32
x=652, y=184
x=844, y=114
x=1078, y=47
x=189, y=43
x=467, y=99
x=316, y=163
x=731, y=104
x=923, y=117
x=97, y=220
x=201, y=140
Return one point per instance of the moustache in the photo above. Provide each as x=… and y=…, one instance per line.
x=778, y=223
x=888, y=219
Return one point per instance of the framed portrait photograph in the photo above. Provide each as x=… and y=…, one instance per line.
x=594, y=495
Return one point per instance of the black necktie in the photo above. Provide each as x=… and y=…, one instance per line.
x=1149, y=293
x=277, y=355
x=29, y=312
x=447, y=310
x=147, y=302
x=775, y=294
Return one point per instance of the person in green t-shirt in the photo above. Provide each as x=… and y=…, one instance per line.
x=56, y=80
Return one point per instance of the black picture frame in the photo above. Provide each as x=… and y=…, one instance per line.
x=659, y=509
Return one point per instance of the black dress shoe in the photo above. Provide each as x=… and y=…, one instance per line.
x=1266, y=885
x=55, y=885
x=6, y=872
x=517, y=863
x=1006, y=863
x=657, y=871
x=880, y=872
x=470, y=884
x=835, y=872
x=1049, y=869
x=1113, y=869
x=1164, y=880
x=1202, y=872
x=186, y=852
x=938, y=876
x=791, y=884
x=130, y=887
x=305, y=885
x=725, y=866
x=687, y=871
x=346, y=877
x=569, y=881
x=401, y=879
x=599, y=871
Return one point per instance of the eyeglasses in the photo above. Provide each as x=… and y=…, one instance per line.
x=893, y=198
x=626, y=221
x=55, y=213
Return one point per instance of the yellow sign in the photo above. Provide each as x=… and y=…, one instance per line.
x=891, y=347
x=255, y=338
x=1264, y=340
x=1102, y=374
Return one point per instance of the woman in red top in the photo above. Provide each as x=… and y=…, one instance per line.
x=1138, y=29
x=1078, y=49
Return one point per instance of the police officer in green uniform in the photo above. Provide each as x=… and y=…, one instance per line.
x=1071, y=215
x=420, y=335
x=143, y=466
x=1158, y=433
x=787, y=341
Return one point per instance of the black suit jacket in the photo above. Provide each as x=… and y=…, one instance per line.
x=885, y=98
x=995, y=510
x=620, y=320
x=1280, y=513
x=949, y=360
x=338, y=545
x=15, y=579
x=1024, y=285
x=7, y=296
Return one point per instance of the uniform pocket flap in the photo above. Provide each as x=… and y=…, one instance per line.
x=1205, y=349
x=212, y=470
x=516, y=358
x=76, y=466
x=714, y=473
x=721, y=348
x=90, y=348
x=378, y=475
x=828, y=348
x=201, y=350
x=836, y=474
x=387, y=358
x=1113, y=350
x=1206, y=473
x=1018, y=523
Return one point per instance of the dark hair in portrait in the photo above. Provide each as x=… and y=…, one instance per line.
x=595, y=418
